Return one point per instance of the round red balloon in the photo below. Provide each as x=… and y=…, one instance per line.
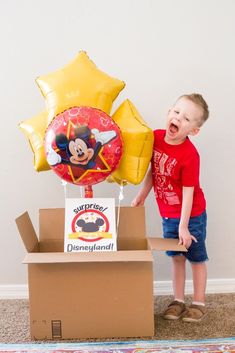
x=83, y=145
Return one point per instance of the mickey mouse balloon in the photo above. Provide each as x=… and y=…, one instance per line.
x=83, y=145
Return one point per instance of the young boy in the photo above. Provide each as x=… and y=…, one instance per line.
x=174, y=175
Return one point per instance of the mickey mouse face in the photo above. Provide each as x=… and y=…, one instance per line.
x=80, y=152
x=90, y=226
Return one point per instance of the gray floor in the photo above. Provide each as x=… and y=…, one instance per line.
x=218, y=322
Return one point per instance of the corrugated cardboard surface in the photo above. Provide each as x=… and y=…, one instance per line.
x=112, y=299
x=88, y=295
x=27, y=232
x=165, y=244
x=51, y=224
x=110, y=256
x=132, y=223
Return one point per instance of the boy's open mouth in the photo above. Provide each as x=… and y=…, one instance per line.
x=173, y=128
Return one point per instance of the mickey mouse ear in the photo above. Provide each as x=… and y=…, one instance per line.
x=61, y=141
x=99, y=222
x=81, y=222
x=83, y=132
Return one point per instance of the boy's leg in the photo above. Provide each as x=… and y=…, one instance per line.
x=179, y=274
x=199, y=271
x=197, y=309
x=177, y=308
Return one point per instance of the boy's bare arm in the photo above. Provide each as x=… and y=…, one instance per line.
x=185, y=237
x=144, y=191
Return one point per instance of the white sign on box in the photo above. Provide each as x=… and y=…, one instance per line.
x=90, y=225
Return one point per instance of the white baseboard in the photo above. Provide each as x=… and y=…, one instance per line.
x=220, y=285
x=14, y=291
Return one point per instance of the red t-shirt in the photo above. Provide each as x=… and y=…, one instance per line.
x=175, y=166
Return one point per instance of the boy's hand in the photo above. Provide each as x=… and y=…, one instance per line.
x=144, y=191
x=186, y=238
x=138, y=201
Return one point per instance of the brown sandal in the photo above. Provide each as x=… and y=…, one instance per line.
x=194, y=313
x=174, y=310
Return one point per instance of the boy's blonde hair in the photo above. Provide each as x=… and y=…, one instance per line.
x=199, y=100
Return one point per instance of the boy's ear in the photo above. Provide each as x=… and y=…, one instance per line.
x=194, y=131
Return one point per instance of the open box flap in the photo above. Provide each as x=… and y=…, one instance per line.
x=162, y=244
x=27, y=232
x=51, y=224
x=131, y=222
x=112, y=256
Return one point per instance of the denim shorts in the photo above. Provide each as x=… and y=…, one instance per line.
x=197, y=227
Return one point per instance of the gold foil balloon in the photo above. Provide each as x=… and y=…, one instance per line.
x=80, y=83
x=138, y=144
x=34, y=129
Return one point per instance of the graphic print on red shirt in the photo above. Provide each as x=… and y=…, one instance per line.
x=175, y=166
x=164, y=168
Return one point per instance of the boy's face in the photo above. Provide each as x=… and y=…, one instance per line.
x=183, y=119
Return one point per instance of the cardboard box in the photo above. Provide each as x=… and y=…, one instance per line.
x=90, y=295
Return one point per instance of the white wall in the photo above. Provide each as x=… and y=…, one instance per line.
x=161, y=49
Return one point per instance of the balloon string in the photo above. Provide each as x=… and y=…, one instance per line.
x=120, y=198
x=64, y=184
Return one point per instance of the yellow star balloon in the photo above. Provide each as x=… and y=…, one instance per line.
x=138, y=145
x=80, y=83
x=34, y=129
